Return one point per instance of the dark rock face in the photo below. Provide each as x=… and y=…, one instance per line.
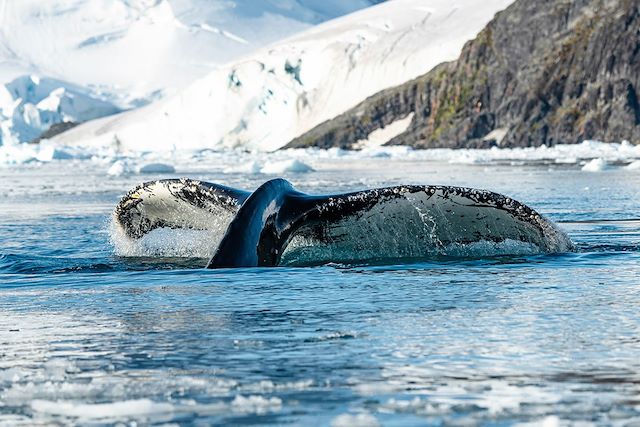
x=55, y=129
x=542, y=72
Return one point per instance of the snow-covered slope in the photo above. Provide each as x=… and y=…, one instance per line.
x=89, y=56
x=266, y=99
x=140, y=46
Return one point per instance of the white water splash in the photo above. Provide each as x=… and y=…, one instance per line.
x=166, y=243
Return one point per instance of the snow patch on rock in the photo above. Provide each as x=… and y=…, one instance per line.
x=496, y=135
x=383, y=135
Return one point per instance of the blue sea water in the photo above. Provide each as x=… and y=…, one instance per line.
x=89, y=338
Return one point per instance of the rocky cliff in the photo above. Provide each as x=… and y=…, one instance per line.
x=541, y=72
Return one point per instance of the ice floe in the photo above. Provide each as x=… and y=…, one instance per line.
x=355, y=420
x=119, y=167
x=286, y=166
x=156, y=168
x=88, y=411
x=635, y=165
x=595, y=165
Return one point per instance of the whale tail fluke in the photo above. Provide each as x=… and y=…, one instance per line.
x=278, y=225
x=176, y=204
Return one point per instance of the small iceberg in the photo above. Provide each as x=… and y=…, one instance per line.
x=118, y=168
x=156, y=168
x=634, y=166
x=251, y=167
x=284, y=166
x=48, y=153
x=595, y=165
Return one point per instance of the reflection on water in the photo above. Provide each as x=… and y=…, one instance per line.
x=90, y=338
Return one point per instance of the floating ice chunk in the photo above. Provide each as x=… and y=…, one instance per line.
x=125, y=408
x=249, y=167
x=548, y=421
x=569, y=160
x=15, y=154
x=256, y=404
x=465, y=158
x=119, y=167
x=11, y=375
x=47, y=153
x=414, y=405
x=156, y=168
x=595, y=165
x=283, y=166
x=25, y=153
x=633, y=165
x=377, y=152
x=337, y=152
x=266, y=386
x=357, y=420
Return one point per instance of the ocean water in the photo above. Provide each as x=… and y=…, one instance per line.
x=90, y=338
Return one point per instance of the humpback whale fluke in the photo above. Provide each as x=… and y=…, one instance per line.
x=278, y=225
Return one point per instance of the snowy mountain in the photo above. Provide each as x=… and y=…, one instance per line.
x=124, y=53
x=267, y=98
x=145, y=45
x=534, y=76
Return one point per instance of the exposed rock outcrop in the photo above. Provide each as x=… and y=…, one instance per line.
x=55, y=129
x=542, y=72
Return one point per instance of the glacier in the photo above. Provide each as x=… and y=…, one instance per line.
x=140, y=46
x=64, y=61
x=30, y=105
